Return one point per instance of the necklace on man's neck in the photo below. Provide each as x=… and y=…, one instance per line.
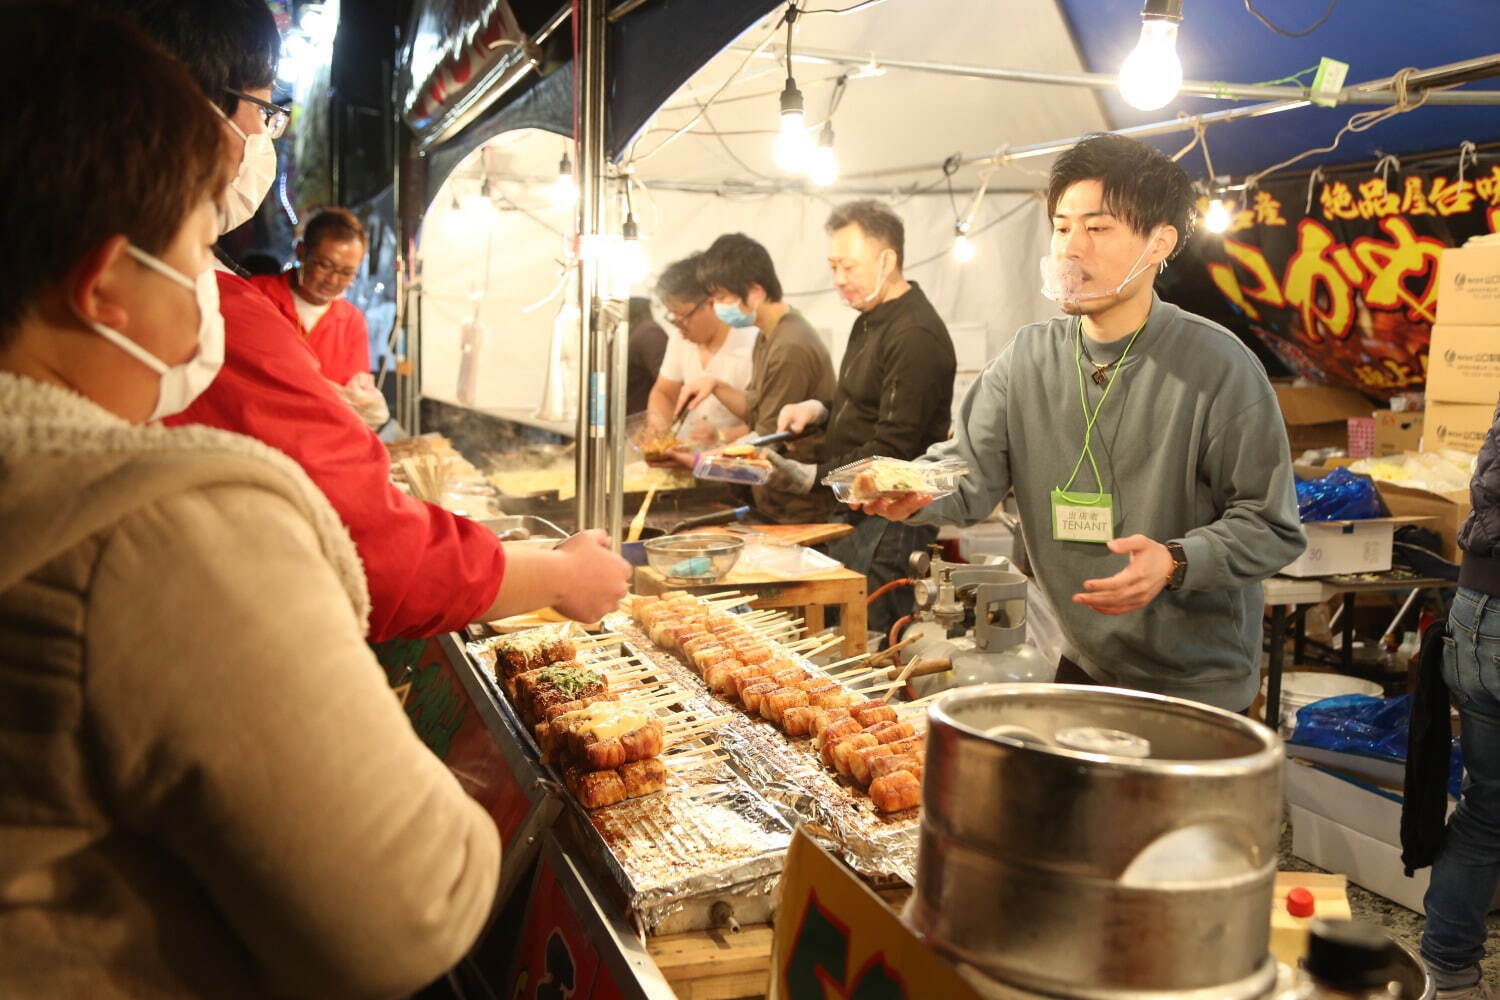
x=1101, y=372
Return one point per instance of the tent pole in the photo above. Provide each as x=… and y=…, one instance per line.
x=591, y=461
x=1377, y=92
x=1436, y=76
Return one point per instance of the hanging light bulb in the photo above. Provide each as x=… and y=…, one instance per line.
x=469, y=217
x=823, y=163
x=793, y=149
x=563, y=192
x=318, y=23
x=964, y=249
x=1218, y=217
x=1152, y=74
x=631, y=264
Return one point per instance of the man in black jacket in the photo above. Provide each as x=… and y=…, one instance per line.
x=1467, y=868
x=894, y=395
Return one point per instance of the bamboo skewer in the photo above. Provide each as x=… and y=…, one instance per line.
x=818, y=644
x=848, y=661
x=710, y=598
x=602, y=639
x=900, y=679
x=858, y=674
x=684, y=752
x=682, y=728
x=888, y=685
x=635, y=685
x=710, y=720
x=612, y=661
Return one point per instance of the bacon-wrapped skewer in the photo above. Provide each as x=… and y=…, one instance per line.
x=896, y=791
x=841, y=750
x=861, y=762
x=751, y=694
x=773, y=707
x=913, y=762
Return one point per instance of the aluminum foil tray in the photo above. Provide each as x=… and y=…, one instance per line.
x=788, y=773
x=705, y=838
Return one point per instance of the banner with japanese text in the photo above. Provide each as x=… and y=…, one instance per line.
x=1337, y=275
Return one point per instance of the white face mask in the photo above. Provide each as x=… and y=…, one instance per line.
x=1063, y=281
x=180, y=384
x=879, y=281
x=251, y=182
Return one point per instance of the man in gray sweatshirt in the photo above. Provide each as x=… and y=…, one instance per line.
x=1144, y=444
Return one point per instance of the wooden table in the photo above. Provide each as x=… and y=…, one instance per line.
x=840, y=587
x=792, y=534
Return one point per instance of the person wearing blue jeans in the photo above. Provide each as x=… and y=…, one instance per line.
x=1467, y=869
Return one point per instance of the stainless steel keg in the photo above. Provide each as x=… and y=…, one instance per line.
x=1094, y=842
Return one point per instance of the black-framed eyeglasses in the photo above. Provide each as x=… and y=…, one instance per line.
x=274, y=115
x=317, y=262
x=680, y=321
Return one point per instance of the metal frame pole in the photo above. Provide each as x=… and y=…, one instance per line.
x=1449, y=73
x=1375, y=92
x=592, y=461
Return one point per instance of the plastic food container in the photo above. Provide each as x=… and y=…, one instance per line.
x=731, y=469
x=871, y=478
x=693, y=558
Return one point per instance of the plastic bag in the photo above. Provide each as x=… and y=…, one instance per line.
x=1338, y=496
x=1370, y=727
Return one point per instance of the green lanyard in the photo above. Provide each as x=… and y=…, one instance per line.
x=1092, y=418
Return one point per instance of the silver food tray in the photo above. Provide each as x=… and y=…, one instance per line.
x=788, y=773
x=671, y=857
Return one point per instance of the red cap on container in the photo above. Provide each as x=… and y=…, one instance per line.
x=1299, y=902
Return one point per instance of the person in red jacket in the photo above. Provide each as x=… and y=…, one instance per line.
x=428, y=571
x=311, y=297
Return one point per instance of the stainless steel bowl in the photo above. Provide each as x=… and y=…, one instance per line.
x=1143, y=871
x=699, y=557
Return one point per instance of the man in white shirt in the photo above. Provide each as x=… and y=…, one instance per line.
x=705, y=345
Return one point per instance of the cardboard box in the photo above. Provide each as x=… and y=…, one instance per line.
x=1469, y=286
x=1447, y=511
x=1353, y=828
x=1317, y=416
x=1463, y=364
x=1397, y=433
x=1367, y=861
x=1461, y=426
x=1336, y=548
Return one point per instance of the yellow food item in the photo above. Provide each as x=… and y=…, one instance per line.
x=604, y=720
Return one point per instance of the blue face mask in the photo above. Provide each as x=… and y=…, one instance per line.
x=733, y=315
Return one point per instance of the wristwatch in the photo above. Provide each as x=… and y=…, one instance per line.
x=1179, y=566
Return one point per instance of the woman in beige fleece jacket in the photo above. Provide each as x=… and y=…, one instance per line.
x=206, y=788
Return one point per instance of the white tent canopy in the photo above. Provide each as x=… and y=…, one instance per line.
x=492, y=264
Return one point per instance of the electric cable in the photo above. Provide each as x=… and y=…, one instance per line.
x=845, y=10
x=1361, y=121
x=1025, y=202
x=1293, y=34
x=643, y=157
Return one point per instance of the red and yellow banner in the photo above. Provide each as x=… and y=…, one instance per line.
x=1339, y=277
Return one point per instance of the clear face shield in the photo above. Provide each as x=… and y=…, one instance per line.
x=1066, y=283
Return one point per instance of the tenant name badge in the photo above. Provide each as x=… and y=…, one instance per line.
x=1082, y=517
